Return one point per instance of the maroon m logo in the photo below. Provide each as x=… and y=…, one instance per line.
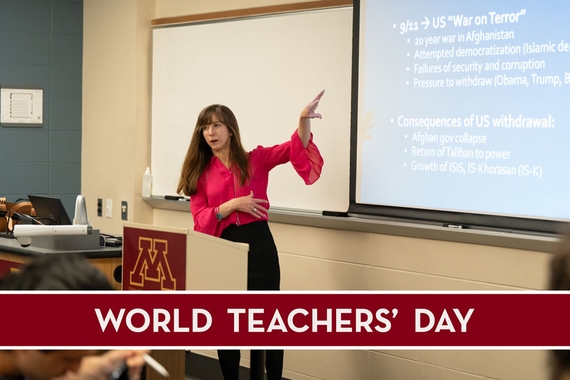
x=152, y=264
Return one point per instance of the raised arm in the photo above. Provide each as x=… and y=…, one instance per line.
x=307, y=114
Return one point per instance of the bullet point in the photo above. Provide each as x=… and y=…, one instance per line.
x=391, y=120
x=394, y=26
x=405, y=164
x=405, y=136
x=407, y=69
x=408, y=54
x=405, y=151
x=407, y=83
x=408, y=40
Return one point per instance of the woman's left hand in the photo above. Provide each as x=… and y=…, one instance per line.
x=309, y=111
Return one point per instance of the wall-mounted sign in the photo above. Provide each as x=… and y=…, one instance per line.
x=21, y=107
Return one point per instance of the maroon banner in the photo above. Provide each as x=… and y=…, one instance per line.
x=285, y=319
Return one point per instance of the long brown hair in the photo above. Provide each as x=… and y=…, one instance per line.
x=199, y=152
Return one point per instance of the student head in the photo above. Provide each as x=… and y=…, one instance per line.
x=68, y=271
x=49, y=272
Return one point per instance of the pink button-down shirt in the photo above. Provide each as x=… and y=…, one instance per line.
x=218, y=184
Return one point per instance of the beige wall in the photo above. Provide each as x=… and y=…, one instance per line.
x=116, y=107
x=116, y=150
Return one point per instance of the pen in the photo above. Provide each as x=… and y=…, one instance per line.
x=155, y=365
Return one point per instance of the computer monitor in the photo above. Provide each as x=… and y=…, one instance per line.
x=49, y=210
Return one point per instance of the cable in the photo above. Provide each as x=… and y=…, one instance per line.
x=14, y=217
x=25, y=216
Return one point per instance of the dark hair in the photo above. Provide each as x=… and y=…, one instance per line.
x=65, y=271
x=199, y=152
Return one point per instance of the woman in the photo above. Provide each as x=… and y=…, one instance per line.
x=228, y=197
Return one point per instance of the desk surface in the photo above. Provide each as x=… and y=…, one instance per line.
x=11, y=245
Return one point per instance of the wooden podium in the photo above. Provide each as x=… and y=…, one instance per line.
x=164, y=258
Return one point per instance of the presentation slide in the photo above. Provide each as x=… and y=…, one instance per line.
x=465, y=106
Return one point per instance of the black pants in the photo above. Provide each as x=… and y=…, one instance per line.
x=263, y=273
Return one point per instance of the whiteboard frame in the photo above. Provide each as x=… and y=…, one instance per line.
x=289, y=58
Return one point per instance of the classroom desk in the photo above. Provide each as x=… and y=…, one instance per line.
x=104, y=258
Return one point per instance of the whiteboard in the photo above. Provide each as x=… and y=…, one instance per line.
x=265, y=69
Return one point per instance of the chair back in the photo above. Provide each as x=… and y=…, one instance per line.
x=7, y=211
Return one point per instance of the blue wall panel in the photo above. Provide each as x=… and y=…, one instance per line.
x=67, y=17
x=29, y=16
x=66, y=82
x=25, y=48
x=24, y=145
x=65, y=146
x=41, y=45
x=60, y=180
x=66, y=50
x=66, y=114
x=22, y=179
